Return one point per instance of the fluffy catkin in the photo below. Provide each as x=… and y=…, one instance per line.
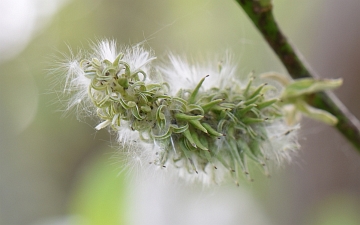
x=201, y=121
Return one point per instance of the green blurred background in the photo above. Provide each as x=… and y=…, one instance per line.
x=57, y=170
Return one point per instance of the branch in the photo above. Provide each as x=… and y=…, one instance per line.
x=260, y=12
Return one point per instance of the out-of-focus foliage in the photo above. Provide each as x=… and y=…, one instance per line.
x=337, y=209
x=100, y=196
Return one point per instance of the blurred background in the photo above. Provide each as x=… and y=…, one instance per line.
x=57, y=170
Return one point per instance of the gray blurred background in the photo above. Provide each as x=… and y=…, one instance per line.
x=57, y=170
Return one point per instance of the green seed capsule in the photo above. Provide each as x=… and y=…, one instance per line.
x=198, y=125
x=189, y=137
x=185, y=117
x=197, y=141
x=211, y=130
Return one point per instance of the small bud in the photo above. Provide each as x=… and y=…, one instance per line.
x=293, y=98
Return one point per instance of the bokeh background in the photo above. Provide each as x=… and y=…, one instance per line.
x=55, y=169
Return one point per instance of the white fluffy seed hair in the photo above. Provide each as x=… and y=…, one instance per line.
x=181, y=72
x=136, y=56
x=282, y=142
x=67, y=74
